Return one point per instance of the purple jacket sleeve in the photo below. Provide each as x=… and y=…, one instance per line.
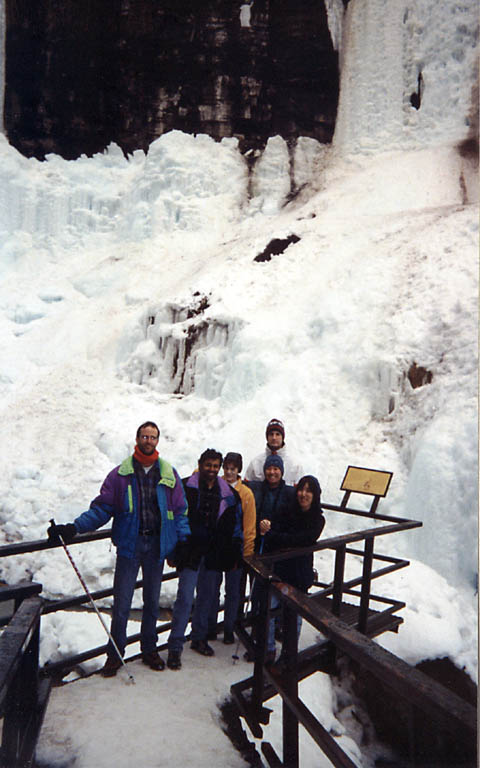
x=180, y=509
x=101, y=508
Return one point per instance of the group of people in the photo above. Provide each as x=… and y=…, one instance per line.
x=203, y=526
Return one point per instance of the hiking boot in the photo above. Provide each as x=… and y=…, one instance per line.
x=228, y=638
x=111, y=666
x=202, y=647
x=174, y=660
x=153, y=660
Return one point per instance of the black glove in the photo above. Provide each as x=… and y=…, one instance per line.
x=67, y=532
x=178, y=558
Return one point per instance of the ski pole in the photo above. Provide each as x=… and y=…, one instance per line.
x=87, y=592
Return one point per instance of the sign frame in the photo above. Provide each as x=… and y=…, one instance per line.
x=370, y=482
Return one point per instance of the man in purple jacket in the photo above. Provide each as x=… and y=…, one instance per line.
x=144, y=495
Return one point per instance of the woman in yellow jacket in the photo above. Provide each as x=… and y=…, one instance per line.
x=232, y=466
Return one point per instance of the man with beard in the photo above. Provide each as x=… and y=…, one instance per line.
x=144, y=496
x=215, y=545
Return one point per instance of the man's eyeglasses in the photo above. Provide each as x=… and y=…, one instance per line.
x=148, y=437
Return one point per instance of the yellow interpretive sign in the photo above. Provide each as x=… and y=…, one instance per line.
x=362, y=480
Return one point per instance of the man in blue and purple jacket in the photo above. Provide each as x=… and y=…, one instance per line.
x=144, y=495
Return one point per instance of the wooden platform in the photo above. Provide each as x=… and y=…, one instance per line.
x=378, y=621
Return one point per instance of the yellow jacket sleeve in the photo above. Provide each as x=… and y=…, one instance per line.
x=249, y=518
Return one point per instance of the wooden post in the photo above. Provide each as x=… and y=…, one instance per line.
x=338, y=580
x=366, y=583
x=290, y=720
x=261, y=629
x=19, y=684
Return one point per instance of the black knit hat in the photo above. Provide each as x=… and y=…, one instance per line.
x=274, y=461
x=234, y=458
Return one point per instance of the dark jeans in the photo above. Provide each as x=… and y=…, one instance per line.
x=147, y=553
x=233, y=581
x=205, y=582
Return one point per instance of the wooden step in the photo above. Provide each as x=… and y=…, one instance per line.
x=377, y=621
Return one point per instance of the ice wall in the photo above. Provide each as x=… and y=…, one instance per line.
x=408, y=74
x=440, y=491
x=335, y=13
x=65, y=201
x=2, y=61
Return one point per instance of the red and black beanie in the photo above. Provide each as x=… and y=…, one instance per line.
x=277, y=425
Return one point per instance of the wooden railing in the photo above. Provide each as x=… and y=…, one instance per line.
x=23, y=694
x=340, y=609
x=348, y=628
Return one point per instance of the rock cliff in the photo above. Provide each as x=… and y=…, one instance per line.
x=83, y=73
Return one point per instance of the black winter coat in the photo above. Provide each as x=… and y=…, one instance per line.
x=295, y=529
x=219, y=538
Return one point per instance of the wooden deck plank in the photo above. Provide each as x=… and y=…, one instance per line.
x=378, y=621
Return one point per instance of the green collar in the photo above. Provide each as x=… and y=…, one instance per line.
x=167, y=476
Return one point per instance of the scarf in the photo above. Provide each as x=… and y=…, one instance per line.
x=145, y=460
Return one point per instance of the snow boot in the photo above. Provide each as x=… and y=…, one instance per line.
x=174, y=660
x=111, y=666
x=153, y=660
x=202, y=647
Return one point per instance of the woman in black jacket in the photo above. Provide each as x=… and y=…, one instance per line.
x=300, y=526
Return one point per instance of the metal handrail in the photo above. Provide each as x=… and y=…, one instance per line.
x=334, y=542
x=417, y=687
x=37, y=545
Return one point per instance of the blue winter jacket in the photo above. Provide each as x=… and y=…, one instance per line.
x=118, y=498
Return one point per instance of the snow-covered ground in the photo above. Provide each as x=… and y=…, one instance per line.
x=109, y=265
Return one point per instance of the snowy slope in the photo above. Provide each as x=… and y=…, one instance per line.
x=322, y=335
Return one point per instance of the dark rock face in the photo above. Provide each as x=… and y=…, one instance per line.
x=418, y=376
x=83, y=73
x=275, y=247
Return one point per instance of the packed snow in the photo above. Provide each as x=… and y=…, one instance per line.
x=109, y=265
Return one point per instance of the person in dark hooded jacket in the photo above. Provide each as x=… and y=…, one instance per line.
x=300, y=526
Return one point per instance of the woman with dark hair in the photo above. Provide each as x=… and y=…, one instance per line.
x=300, y=526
